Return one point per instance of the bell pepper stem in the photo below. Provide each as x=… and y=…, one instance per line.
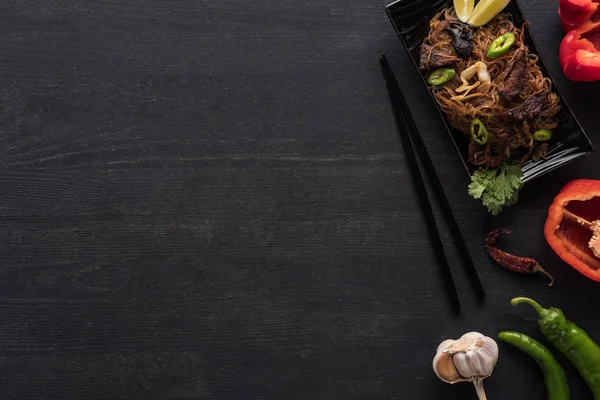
x=581, y=221
x=539, y=309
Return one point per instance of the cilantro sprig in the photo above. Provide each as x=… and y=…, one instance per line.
x=497, y=187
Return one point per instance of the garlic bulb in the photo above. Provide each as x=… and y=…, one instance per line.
x=470, y=358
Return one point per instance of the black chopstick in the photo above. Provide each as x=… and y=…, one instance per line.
x=404, y=127
x=438, y=189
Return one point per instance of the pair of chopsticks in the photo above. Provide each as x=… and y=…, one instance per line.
x=409, y=132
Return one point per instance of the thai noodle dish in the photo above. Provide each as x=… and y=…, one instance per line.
x=490, y=88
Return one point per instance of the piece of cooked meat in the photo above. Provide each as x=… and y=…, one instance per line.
x=434, y=58
x=530, y=108
x=517, y=78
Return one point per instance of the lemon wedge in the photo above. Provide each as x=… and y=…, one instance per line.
x=463, y=9
x=485, y=10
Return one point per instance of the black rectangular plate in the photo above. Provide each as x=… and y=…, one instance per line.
x=411, y=21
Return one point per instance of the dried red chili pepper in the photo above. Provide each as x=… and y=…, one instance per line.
x=523, y=265
x=572, y=228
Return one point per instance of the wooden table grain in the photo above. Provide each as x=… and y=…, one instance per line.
x=208, y=200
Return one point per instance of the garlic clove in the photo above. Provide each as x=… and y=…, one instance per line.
x=444, y=368
x=465, y=343
x=445, y=345
x=479, y=361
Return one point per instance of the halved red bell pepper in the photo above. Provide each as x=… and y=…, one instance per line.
x=580, y=48
x=574, y=13
x=572, y=228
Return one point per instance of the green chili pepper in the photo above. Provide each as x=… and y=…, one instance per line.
x=542, y=135
x=479, y=133
x=570, y=340
x=557, y=387
x=440, y=76
x=501, y=45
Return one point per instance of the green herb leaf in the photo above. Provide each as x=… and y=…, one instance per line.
x=480, y=181
x=497, y=187
x=492, y=203
x=476, y=190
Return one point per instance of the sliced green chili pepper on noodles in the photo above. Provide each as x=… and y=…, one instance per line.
x=501, y=45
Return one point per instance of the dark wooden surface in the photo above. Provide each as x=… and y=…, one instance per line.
x=208, y=200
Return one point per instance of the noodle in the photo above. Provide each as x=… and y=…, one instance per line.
x=509, y=139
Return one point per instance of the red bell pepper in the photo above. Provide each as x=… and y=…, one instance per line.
x=572, y=228
x=574, y=13
x=580, y=48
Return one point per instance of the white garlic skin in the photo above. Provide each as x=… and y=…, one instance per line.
x=473, y=356
x=477, y=363
x=444, y=345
